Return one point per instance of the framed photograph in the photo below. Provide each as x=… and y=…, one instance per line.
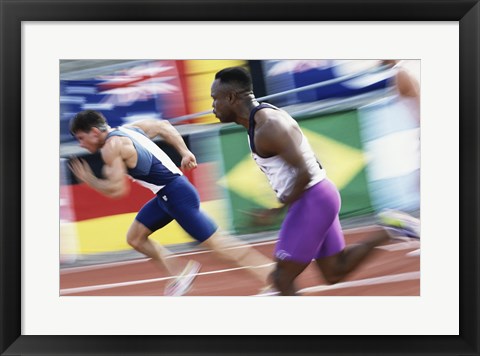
x=43, y=312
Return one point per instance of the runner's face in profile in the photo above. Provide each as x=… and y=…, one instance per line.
x=89, y=140
x=222, y=102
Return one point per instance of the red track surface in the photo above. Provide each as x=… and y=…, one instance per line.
x=389, y=271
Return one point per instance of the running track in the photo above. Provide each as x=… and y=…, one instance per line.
x=392, y=269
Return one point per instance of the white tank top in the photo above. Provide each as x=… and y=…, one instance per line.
x=279, y=173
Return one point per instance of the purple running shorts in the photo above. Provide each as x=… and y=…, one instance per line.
x=311, y=229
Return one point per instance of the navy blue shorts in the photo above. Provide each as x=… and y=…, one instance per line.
x=178, y=201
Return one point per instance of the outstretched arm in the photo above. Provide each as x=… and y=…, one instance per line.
x=166, y=131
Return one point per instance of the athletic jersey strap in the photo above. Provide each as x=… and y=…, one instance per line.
x=251, y=126
x=154, y=169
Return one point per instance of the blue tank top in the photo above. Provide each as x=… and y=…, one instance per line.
x=154, y=169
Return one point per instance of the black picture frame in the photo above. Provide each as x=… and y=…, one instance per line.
x=13, y=12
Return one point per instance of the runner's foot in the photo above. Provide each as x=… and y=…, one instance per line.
x=400, y=223
x=268, y=291
x=182, y=283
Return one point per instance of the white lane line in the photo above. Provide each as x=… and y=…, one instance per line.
x=414, y=253
x=362, y=282
x=68, y=291
x=359, y=283
x=69, y=270
x=415, y=244
x=408, y=276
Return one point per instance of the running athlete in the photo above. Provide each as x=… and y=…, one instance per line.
x=407, y=101
x=311, y=229
x=129, y=151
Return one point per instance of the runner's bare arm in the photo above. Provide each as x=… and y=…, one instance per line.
x=166, y=131
x=275, y=137
x=114, y=183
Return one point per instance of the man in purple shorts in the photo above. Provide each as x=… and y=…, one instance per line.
x=311, y=229
x=129, y=151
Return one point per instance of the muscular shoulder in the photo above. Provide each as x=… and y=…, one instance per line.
x=271, y=122
x=113, y=144
x=116, y=146
x=267, y=119
x=272, y=128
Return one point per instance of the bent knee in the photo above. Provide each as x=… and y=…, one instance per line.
x=135, y=241
x=332, y=268
x=137, y=234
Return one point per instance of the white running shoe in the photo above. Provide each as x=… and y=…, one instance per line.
x=182, y=283
x=267, y=291
x=400, y=222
